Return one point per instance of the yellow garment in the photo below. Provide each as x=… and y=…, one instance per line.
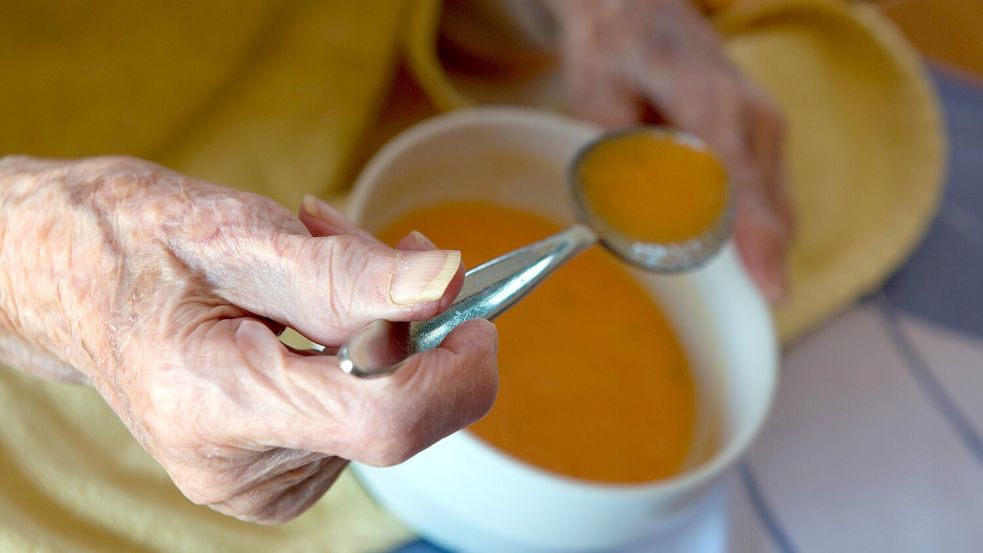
x=267, y=96
x=271, y=97
x=284, y=98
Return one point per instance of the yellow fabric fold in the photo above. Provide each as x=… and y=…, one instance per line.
x=266, y=96
x=75, y=480
x=291, y=122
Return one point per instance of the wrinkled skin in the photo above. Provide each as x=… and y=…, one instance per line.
x=632, y=61
x=166, y=294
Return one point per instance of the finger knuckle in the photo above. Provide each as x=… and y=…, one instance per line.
x=346, y=277
x=334, y=254
x=174, y=415
x=765, y=111
x=773, y=121
x=204, y=477
x=394, y=443
x=122, y=167
x=198, y=490
x=253, y=212
x=486, y=389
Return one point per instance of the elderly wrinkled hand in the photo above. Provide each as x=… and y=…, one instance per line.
x=630, y=61
x=167, y=295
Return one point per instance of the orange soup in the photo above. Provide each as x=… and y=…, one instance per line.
x=594, y=383
x=652, y=188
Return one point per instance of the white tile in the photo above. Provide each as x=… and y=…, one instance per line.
x=855, y=458
x=957, y=361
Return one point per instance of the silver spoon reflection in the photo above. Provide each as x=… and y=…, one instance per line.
x=494, y=286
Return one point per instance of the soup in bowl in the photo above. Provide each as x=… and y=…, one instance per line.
x=624, y=395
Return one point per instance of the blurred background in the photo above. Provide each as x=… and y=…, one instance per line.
x=876, y=439
x=874, y=442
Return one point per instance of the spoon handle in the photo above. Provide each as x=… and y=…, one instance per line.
x=492, y=287
x=489, y=289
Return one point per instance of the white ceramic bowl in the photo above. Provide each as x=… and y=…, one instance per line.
x=470, y=497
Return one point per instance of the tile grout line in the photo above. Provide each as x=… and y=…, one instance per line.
x=926, y=380
x=767, y=517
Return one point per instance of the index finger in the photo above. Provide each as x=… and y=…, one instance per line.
x=314, y=406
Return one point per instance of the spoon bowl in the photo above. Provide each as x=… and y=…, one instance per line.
x=662, y=256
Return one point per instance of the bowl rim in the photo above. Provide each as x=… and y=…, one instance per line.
x=547, y=122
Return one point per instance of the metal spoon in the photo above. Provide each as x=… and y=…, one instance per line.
x=491, y=288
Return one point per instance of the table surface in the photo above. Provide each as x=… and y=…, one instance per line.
x=876, y=438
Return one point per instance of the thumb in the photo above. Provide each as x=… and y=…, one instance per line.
x=338, y=284
x=326, y=288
